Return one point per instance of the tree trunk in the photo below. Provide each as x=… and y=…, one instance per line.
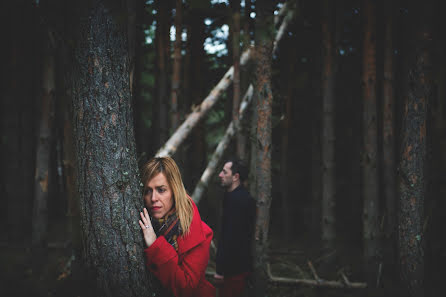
x=45, y=142
x=370, y=143
x=162, y=39
x=328, y=138
x=412, y=166
x=240, y=145
x=107, y=171
x=263, y=54
x=247, y=24
x=388, y=134
x=174, y=110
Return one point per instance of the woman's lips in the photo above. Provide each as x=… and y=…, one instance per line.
x=155, y=208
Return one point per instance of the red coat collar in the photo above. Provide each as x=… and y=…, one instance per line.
x=195, y=236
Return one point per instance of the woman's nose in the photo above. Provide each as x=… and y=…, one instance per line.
x=154, y=196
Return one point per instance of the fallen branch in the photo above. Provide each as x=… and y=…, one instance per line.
x=315, y=283
x=221, y=148
x=177, y=138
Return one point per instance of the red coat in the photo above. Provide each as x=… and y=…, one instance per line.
x=183, y=272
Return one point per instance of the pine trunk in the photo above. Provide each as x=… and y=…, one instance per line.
x=370, y=143
x=174, y=110
x=388, y=134
x=162, y=39
x=263, y=91
x=44, y=146
x=412, y=166
x=107, y=175
x=328, y=129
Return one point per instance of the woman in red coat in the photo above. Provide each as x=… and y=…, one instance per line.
x=177, y=239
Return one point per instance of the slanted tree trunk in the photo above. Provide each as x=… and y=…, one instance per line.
x=328, y=138
x=370, y=143
x=175, y=88
x=412, y=166
x=45, y=142
x=263, y=91
x=107, y=171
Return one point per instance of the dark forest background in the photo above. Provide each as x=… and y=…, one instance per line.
x=357, y=126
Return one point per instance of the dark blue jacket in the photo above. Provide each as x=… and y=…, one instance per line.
x=234, y=253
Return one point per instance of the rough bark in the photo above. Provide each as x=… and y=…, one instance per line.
x=370, y=143
x=328, y=137
x=263, y=54
x=45, y=142
x=220, y=150
x=107, y=175
x=412, y=165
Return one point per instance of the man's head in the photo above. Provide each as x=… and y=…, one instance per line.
x=234, y=172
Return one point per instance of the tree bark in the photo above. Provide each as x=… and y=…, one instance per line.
x=370, y=143
x=328, y=138
x=263, y=54
x=412, y=165
x=107, y=175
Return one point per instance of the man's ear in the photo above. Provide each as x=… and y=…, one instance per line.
x=237, y=176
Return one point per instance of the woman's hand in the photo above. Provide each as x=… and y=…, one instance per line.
x=147, y=229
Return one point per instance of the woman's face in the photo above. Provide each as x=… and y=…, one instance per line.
x=158, y=196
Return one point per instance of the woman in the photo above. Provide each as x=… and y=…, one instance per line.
x=177, y=239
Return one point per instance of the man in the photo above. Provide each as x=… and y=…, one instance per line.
x=234, y=256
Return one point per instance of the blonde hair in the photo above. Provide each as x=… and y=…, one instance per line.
x=182, y=202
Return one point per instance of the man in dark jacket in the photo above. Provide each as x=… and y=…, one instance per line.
x=234, y=256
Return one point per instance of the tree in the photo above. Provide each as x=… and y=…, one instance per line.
x=107, y=171
x=328, y=138
x=388, y=134
x=370, y=143
x=263, y=93
x=412, y=164
x=162, y=39
x=175, y=112
x=45, y=142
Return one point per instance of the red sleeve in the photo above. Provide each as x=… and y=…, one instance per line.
x=182, y=278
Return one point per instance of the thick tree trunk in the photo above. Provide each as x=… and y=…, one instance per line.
x=263, y=54
x=328, y=138
x=175, y=88
x=45, y=142
x=412, y=166
x=370, y=143
x=107, y=171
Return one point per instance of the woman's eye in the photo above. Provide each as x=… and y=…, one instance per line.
x=147, y=191
x=161, y=190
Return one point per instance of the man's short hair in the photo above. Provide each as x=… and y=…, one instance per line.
x=238, y=166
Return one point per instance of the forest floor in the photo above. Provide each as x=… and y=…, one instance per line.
x=55, y=277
